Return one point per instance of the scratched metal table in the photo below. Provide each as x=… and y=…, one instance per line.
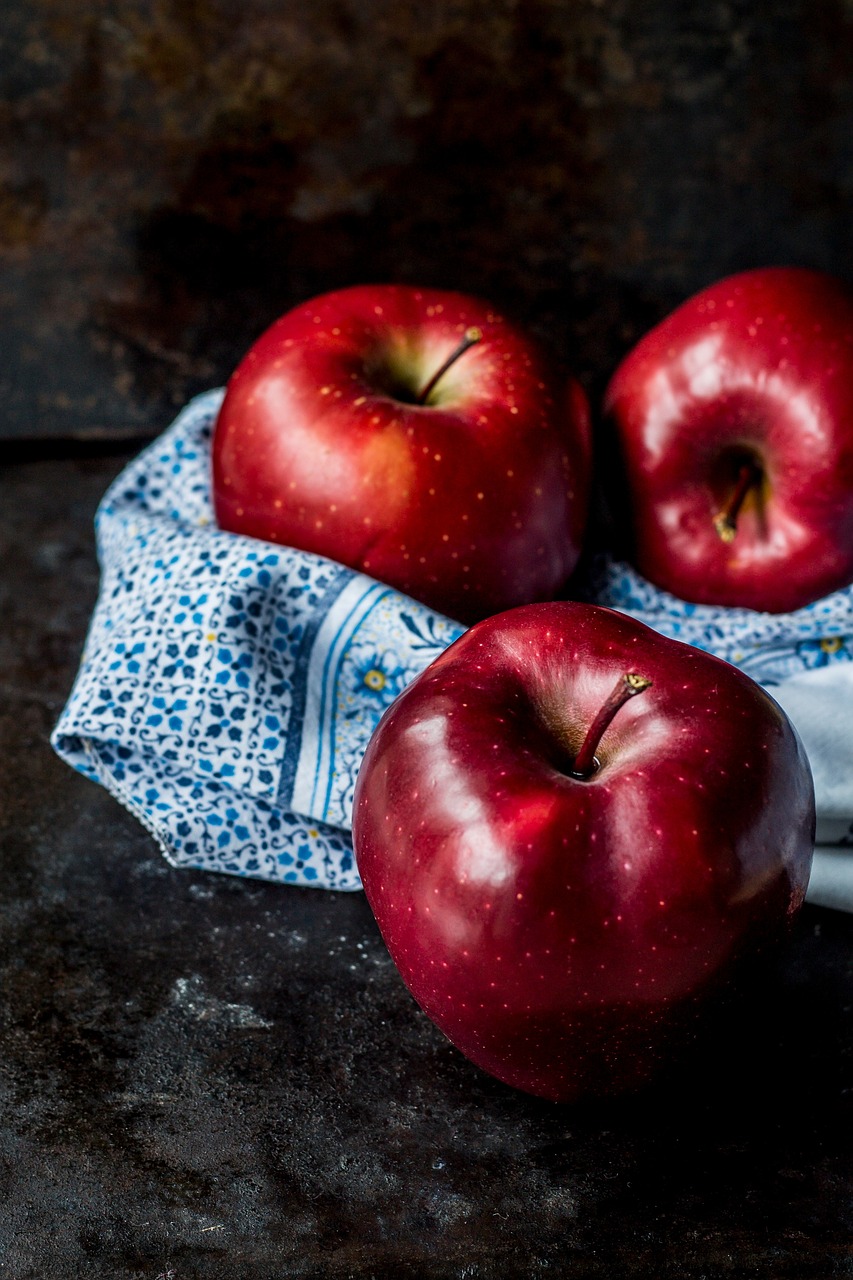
x=210, y=1077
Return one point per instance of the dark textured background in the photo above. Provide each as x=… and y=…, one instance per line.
x=175, y=173
x=201, y=1077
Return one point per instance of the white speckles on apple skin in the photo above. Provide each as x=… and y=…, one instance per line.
x=777, y=364
x=501, y=574
x=544, y=954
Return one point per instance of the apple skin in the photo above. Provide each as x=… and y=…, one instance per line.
x=561, y=932
x=759, y=366
x=471, y=503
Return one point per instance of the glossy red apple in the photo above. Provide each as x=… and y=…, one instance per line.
x=563, y=871
x=735, y=420
x=415, y=435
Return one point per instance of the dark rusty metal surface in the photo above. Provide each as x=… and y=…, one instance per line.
x=175, y=173
x=209, y=1077
x=202, y=1077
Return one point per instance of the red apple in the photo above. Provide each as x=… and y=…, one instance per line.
x=345, y=432
x=561, y=878
x=735, y=418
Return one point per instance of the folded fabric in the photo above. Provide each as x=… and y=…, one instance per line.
x=228, y=687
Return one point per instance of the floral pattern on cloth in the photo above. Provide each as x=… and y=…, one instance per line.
x=228, y=687
x=770, y=647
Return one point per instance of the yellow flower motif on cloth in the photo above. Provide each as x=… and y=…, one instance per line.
x=822, y=653
x=379, y=676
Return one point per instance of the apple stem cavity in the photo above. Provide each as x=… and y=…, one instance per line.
x=628, y=686
x=725, y=521
x=471, y=338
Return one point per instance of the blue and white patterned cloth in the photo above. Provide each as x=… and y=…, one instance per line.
x=228, y=687
x=770, y=647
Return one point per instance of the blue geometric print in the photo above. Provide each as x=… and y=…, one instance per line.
x=228, y=687
x=770, y=647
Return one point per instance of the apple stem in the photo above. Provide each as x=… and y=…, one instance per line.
x=628, y=686
x=725, y=521
x=471, y=338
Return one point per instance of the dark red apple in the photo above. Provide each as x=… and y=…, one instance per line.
x=570, y=829
x=415, y=435
x=735, y=420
